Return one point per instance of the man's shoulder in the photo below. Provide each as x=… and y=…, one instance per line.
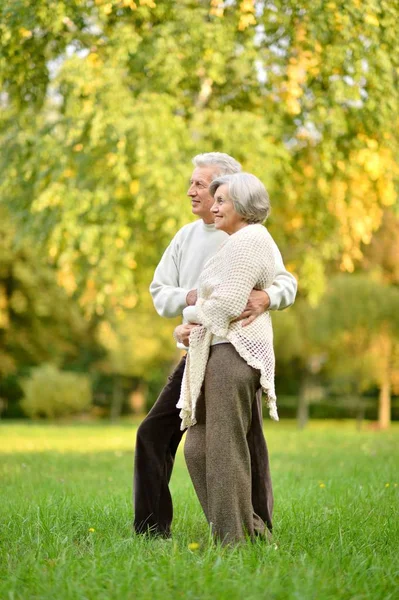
x=183, y=233
x=194, y=230
x=189, y=228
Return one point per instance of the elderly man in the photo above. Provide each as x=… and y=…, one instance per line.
x=172, y=289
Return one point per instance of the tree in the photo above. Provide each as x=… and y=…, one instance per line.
x=359, y=316
x=140, y=349
x=119, y=94
x=38, y=321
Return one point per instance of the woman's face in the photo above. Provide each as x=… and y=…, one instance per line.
x=226, y=218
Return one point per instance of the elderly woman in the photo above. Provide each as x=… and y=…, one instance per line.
x=227, y=362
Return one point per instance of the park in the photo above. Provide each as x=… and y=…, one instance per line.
x=66, y=520
x=104, y=104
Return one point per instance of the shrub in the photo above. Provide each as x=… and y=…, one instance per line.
x=51, y=393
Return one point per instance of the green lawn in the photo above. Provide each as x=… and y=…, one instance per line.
x=65, y=518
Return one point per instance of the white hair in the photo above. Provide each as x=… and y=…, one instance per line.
x=248, y=195
x=227, y=164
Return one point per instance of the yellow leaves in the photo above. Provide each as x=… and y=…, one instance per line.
x=313, y=277
x=4, y=316
x=247, y=16
x=300, y=66
x=295, y=223
x=93, y=59
x=300, y=33
x=293, y=105
x=131, y=263
x=77, y=147
x=90, y=293
x=387, y=193
x=217, y=8
x=322, y=185
x=129, y=4
x=354, y=202
x=247, y=6
x=371, y=20
x=107, y=336
x=296, y=75
x=246, y=21
x=149, y=3
x=26, y=34
x=112, y=159
x=380, y=167
x=120, y=192
x=339, y=190
x=308, y=171
x=66, y=279
x=51, y=196
x=372, y=144
x=130, y=302
x=134, y=187
x=347, y=263
x=371, y=161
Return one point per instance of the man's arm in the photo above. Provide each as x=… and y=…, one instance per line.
x=168, y=297
x=282, y=292
x=280, y=295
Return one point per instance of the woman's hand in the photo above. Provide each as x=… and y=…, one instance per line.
x=182, y=333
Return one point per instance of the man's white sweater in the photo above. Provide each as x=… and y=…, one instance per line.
x=184, y=259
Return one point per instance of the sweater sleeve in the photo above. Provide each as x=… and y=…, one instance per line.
x=168, y=297
x=283, y=290
x=246, y=259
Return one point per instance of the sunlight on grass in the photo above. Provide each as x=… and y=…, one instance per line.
x=66, y=517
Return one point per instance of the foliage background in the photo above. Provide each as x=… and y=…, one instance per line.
x=103, y=104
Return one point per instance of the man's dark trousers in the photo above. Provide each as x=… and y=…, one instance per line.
x=158, y=438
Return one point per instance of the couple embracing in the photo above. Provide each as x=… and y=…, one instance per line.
x=224, y=273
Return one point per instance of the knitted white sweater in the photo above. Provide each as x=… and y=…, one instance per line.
x=244, y=262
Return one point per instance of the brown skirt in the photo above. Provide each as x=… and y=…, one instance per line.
x=217, y=448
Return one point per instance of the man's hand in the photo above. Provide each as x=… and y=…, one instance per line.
x=191, y=297
x=258, y=303
x=182, y=333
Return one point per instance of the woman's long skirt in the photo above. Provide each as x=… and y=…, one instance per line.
x=216, y=448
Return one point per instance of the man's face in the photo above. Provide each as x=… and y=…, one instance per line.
x=201, y=200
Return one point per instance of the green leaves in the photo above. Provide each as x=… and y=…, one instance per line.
x=106, y=102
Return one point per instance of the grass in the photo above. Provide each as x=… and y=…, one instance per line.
x=65, y=520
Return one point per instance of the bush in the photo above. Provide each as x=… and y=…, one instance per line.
x=51, y=393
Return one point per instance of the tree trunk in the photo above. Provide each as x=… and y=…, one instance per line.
x=117, y=399
x=360, y=410
x=384, y=404
x=138, y=399
x=302, y=414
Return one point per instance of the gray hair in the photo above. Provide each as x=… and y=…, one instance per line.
x=248, y=195
x=227, y=164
